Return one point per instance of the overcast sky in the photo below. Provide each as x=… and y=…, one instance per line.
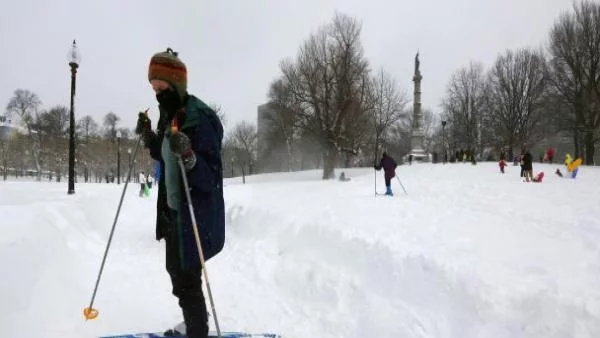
x=232, y=48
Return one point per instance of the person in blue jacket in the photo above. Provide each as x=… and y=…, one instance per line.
x=157, y=171
x=189, y=130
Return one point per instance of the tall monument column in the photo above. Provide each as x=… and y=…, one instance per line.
x=417, y=134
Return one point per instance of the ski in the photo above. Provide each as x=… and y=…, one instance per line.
x=210, y=335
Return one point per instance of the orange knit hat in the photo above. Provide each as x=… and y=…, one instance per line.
x=168, y=67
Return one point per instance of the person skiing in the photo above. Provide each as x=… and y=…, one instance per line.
x=389, y=169
x=188, y=130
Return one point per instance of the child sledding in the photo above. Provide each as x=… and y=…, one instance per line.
x=572, y=167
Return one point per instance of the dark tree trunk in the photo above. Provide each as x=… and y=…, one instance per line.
x=575, y=143
x=329, y=161
x=590, y=148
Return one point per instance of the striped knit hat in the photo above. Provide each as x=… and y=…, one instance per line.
x=168, y=67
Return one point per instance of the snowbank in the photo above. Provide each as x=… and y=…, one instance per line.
x=467, y=253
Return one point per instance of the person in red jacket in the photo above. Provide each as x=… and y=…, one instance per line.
x=538, y=178
x=502, y=164
x=550, y=154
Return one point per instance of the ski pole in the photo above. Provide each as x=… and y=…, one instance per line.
x=89, y=312
x=401, y=184
x=198, y=244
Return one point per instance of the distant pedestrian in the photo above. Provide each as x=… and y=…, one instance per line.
x=149, y=180
x=142, y=179
x=502, y=164
x=528, y=166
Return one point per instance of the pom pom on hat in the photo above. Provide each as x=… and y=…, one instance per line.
x=168, y=67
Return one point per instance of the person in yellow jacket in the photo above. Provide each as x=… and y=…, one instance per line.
x=568, y=159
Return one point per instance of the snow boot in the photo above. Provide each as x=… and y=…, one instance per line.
x=388, y=190
x=177, y=331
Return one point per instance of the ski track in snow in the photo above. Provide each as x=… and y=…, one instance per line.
x=467, y=253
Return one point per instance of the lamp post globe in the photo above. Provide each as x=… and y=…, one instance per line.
x=74, y=58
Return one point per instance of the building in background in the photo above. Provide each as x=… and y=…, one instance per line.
x=6, y=128
x=271, y=154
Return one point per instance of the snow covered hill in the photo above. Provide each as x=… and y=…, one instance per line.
x=468, y=252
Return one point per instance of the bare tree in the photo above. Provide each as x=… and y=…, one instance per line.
x=326, y=82
x=25, y=105
x=517, y=85
x=52, y=131
x=54, y=122
x=283, y=118
x=243, y=137
x=110, y=126
x=464, y=105
x=388, y=105
x=431, y=128
x=220, y=113
x=574, y=74
x=4, y=156
x=398, y=138
x=87, y=131
x=87, y=127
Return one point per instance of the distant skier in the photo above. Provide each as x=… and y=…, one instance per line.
x=389, y=168
x=142, y=179
x=188, y=131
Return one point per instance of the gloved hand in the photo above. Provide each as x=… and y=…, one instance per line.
x=182, y=147
x=143, y=125
x=144, y=128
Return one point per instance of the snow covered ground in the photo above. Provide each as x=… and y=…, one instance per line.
x=467, y=253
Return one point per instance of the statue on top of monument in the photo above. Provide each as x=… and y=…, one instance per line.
x=417, y=63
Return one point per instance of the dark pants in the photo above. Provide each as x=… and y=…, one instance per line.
x=388, y=181
x=187, y=287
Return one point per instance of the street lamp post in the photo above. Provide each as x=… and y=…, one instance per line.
x=74, y=60
x=444, y=140
x=129, y=160
x=129, y=165
x=118, y=157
